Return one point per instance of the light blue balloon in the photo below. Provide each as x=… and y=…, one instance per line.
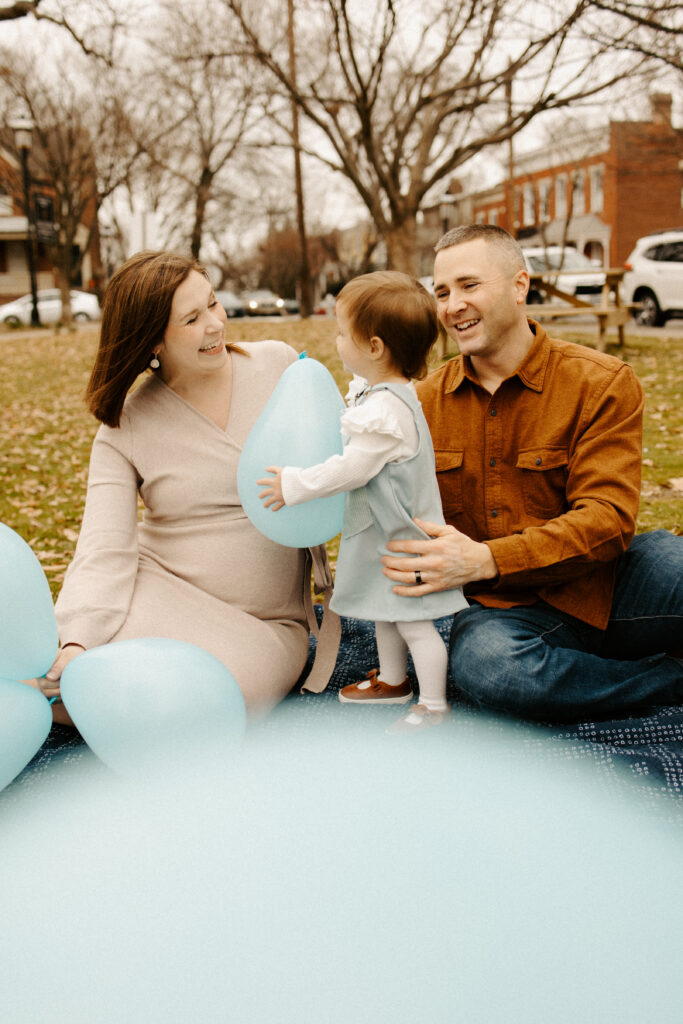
x=28, y=629
x=144, y=703
x=25, y=721
x=299, y=426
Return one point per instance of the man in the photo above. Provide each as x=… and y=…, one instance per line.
x=538, y=451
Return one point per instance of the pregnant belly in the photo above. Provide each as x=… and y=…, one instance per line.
x=231, y=561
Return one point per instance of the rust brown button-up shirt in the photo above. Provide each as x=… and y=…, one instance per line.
x=546, y=471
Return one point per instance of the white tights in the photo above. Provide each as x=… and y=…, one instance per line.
x=430, y=658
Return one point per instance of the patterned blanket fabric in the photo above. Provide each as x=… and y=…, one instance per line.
x=643, y=753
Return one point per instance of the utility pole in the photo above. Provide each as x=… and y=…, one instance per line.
x=23, y=128
x=305, y=295
x=512, y=228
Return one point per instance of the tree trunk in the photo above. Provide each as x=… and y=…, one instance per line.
x=66, y=319
x=203, y=194
x=401, y=243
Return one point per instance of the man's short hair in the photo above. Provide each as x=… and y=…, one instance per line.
x=489, y=233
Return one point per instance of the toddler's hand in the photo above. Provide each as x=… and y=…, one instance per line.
x=272, y=495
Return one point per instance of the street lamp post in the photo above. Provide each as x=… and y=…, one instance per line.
x=23, y=128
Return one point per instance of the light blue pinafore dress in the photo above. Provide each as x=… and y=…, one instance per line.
x=383, y=510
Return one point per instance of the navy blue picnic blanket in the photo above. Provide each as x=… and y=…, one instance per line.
x=643, y=752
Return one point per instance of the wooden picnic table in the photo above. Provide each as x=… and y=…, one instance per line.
x=609, y=311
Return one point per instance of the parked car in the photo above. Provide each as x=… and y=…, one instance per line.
x=326, y=306
x=84, y=306
x=291, y=306
x=557, y=259
x=232, y=305
x=654, y=277
x=263, y=303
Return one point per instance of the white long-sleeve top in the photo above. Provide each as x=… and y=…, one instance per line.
x=379, y=431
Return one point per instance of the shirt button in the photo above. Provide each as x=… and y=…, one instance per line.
x=539, y=460
x=493, y=513
x=494, y=412
x=492, y=462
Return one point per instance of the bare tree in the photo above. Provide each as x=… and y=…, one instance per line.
x=97, y=27
x=650, y=27
x=397, y=96
x=82, y=148
x=192, y=111
x=18, y=10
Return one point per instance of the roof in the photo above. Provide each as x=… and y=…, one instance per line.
x=13, y=227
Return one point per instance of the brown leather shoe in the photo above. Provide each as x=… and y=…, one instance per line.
x=372, y=690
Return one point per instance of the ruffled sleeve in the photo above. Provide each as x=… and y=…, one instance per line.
x=373, y=417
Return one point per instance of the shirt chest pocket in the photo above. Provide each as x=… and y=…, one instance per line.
x=544, y=480
x=449, y=469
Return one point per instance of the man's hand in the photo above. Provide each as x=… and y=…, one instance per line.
x=449, y=559
x=272, y=495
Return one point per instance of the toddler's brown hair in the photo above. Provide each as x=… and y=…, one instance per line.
x=398, y=309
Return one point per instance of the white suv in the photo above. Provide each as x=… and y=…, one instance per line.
x=654, y=277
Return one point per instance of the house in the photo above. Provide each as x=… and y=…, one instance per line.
x=14, y=273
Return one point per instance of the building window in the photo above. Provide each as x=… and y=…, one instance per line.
x=516, y=203
x=45, y=208
x=595, y=251
x=544, y=189
x=579, y=194
x=561, y=196
x=528, y=204
x=6, y=205
x=596, y=181
x=493, y=216
x=480, y=217
x=3, y=256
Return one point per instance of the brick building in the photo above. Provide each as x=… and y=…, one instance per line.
x=596, y=189
x=14, y=275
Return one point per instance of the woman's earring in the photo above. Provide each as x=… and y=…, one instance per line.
x=154, y=362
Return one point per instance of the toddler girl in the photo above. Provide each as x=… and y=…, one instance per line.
x=387, y=324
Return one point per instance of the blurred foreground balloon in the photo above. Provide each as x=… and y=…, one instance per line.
x=299, y=426
x=345, y=878
x=28, y=628
x=142, y=704
x=25, y=721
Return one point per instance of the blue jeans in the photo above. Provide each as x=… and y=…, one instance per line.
x=540, y=663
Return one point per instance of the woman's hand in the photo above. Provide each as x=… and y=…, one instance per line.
x=272, y=495
x=49, y=683
x=447, y=560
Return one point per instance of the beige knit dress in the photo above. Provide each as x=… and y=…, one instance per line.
x=194, y=568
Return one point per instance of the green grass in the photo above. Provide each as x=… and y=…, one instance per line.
x=46, y=432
